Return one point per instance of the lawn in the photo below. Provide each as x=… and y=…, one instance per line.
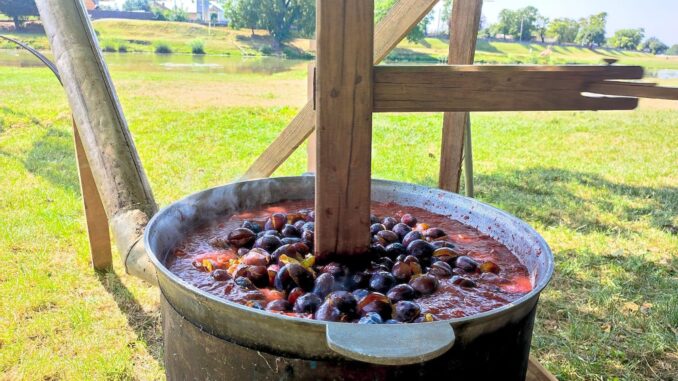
x=601, y=187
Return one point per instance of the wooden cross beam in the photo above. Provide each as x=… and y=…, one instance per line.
x=348, y=89
x=459, y=89
x=400, y=19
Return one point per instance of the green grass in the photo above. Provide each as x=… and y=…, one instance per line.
x=601, y=187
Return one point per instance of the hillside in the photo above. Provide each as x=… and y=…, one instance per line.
x=143, y=36
x=500, y=52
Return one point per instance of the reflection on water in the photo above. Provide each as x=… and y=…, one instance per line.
x=170, y=62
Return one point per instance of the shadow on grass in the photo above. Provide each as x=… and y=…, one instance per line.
x=408, y=55
x=555, y=196
x=53, y=158
x=611, y=312
x=486, y=46
x=147, y=326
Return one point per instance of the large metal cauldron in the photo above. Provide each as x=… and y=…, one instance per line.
x=210, y=338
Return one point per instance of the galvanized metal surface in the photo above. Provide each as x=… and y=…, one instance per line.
x=302, y=338
x=193, y=354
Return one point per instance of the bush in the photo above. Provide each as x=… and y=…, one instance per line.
x=294, y=53
x=122, y=47
x=197, y=47
x=162, y=48
x=108, y=47
x=266, y=50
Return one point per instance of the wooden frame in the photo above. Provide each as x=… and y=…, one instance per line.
x=456, y=136
x=400, y=19
x=97, y=223
x=343, y=98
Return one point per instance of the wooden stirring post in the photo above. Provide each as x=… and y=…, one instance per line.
x=343, y=98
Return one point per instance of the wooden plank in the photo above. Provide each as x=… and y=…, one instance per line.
x=633, y=89
x=536, y=372
x=400, y=19
x=310, y=142
x=464, y=24
x=496, y=88
x=344, y=135
x=97, y=222
x=398, y=22
x=284, y=145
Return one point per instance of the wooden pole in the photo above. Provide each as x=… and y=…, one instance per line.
x=106, y=140
x=344, y=134
x=97, y=223
x=464, y=24
x=399, y=20
x=310, y=142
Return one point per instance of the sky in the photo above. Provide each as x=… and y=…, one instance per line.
x=659, y=18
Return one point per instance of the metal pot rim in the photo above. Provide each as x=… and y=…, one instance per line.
x=545, y=250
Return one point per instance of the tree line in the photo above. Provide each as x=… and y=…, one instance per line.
x=286, y=19
x=526, y=23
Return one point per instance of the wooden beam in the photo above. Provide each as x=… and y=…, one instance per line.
x=464, y=24
x=97, y=222
x=398, y=22
x=400, y=19
x=496, y=88
x=633, y=89
x=310, y=142
x=344, y=136
x=536, y=372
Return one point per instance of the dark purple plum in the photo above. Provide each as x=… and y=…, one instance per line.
x=307, y=303
x=401, y=292
x=406, y=311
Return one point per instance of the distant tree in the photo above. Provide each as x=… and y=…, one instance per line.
x=628, y=39
x=563, y=30
x=244, y=14
x=592, y=30
x=541, y=26
x=418, y=33
x=178, y=14
x=446, y=12
x=18, y=10
x=519, y=23
x=673, y=50
x=653, y=45
x=281, y=18
x=137, y=5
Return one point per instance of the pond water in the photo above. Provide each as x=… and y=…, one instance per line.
x=171, y=62
x=209, y=63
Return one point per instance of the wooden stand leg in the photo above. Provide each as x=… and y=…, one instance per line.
x=97, y=221
x=310, y=150
x=464, y=25
x=536, y=372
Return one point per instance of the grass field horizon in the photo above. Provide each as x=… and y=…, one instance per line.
x=144, y=37
x=600, y=187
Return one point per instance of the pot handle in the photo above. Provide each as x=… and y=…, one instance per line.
x=390, y=344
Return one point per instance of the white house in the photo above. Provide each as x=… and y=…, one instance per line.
x=197, y=10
